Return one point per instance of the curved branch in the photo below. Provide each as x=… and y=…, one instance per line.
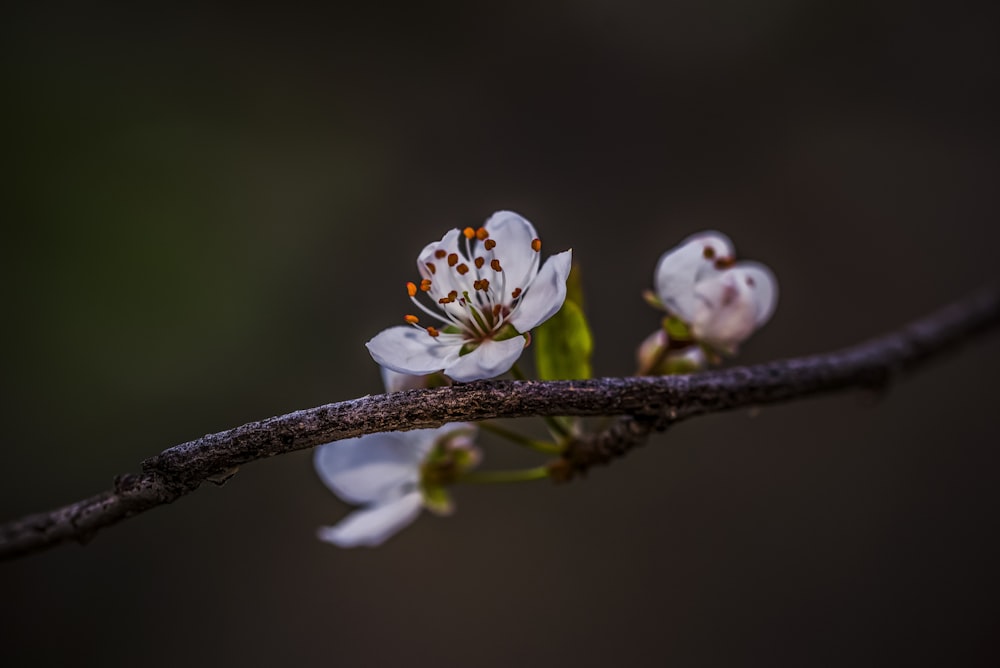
x=645, y=404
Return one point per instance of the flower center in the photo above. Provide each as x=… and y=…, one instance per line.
x=471, y=292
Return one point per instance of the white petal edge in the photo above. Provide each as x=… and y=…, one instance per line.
x=489, y=360
x=765, y=288
x=513, y=235
x=546, y=295
x=372, y=467
x=681, y=267
x=370, y=527
x=413, y=351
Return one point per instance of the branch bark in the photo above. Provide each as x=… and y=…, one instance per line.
x=644, y=404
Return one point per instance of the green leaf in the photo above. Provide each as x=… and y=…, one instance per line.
x=563, y=345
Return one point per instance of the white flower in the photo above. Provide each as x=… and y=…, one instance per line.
x=393, y=475
x=721, y=300
x=487, y=291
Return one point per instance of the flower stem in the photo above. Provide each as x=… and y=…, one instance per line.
x=517, y=475
x=555, y=426
x=521, y=439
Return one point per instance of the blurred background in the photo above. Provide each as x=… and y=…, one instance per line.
x=209, y=212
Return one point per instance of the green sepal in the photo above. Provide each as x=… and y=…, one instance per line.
x=650, y=298
x=563, y=343
x=437, y=499
x=676, y=329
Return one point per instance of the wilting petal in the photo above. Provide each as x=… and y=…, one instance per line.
x=513, y=236
x=413, y=351
x=546, y=295
x=489, y=360
x=372, y=526
x=697, y=258
x=373, y=467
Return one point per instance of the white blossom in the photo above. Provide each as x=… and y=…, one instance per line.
x=486, y=291
x=721, y=300
x=391, y=475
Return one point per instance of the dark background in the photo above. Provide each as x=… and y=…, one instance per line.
x=209, y=212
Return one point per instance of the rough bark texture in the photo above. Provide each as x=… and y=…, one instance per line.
x=644, y=404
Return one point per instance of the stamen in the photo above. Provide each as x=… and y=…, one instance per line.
x=480, y=261
x=708, y=253
x=536, y=245
x=469, y=232
x=449, y=299
x=495, y=263
x=430, y=265
x=412, y=319
x=482, y=284
x=411, y=289
x=724, y=263
x=489, y=244
x=482, y=234
x=439, y=253
x=516, y=293
x=433, y=332
x=425, y=285
x=463, y=269
x=452, y=260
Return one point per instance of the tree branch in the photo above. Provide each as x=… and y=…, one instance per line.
x=645, y=404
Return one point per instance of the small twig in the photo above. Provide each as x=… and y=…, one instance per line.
x=646, y=404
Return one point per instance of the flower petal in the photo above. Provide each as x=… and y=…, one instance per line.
x=372, y=526
x=733, y=304
x=513, y=236
x=764, y=285
x=444, y=278
x=375, y=466
x=546, y=295
x=393, y=381
x=489, y=360
x=680, y=268
x=413, y=351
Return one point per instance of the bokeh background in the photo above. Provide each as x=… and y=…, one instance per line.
x=208, y=212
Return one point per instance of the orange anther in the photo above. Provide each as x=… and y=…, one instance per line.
x=483, y=285
x=516, y=293
x=412, y=319
x=469, y=232
x=425, y=285
x=495, y=263
x=430, y=265
x=724, y=262
x=411, y=289
x=439, y=253
x=463, y=269
x=452, y=260
x=482, y=234
x=480, y=262
x=433, y=332
x=536, y=245
x=489, y=244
